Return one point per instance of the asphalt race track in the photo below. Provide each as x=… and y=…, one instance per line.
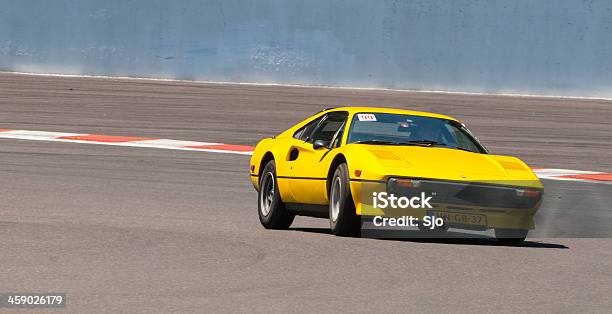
x=147, y=230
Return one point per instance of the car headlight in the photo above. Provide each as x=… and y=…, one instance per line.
x=404, y=183
x=528, y=193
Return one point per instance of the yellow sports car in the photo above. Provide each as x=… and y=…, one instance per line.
x=343, y=163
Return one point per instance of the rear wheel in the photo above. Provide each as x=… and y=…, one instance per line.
x=511, y=236
x=271, y=210
x=343, y=218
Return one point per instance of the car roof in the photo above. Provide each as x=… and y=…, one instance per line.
x=353, y=110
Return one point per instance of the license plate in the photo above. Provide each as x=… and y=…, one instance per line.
x=460, y=218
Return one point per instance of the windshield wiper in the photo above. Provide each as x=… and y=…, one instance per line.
x=426, y=143
x=377, y=142
x=408, y=143
x=429, y=143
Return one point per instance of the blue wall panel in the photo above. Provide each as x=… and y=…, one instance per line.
x=555, y=47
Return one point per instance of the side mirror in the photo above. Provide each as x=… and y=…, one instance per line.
x=320, y=144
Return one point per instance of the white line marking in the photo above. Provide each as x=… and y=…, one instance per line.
x=35, y=135
x=149, y=143
x=555, y=174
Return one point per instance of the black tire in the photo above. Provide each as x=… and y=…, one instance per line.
x=270, y=207
x=343, y=219
x=511, y=236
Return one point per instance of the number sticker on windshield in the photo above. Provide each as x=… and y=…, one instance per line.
x=366, y=117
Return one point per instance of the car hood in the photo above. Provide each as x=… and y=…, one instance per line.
x=447, y=163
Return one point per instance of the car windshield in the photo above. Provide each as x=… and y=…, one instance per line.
x=398, y=129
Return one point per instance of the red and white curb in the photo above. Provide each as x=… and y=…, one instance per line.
x=126, y=141
x=572, y=175
x=552, y=174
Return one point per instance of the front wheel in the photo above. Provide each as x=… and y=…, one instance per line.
x=271, y=210
x=511, y=236
x=343, y=218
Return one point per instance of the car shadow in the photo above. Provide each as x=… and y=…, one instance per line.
x=451, y=237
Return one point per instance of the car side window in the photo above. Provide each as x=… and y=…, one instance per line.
x=304, y=132
x=329, y=127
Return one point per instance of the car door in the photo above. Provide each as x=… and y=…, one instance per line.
x=308, y=166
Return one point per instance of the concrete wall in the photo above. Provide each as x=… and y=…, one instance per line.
x=555, y=47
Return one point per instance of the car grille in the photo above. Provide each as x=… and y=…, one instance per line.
x=466, y=193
